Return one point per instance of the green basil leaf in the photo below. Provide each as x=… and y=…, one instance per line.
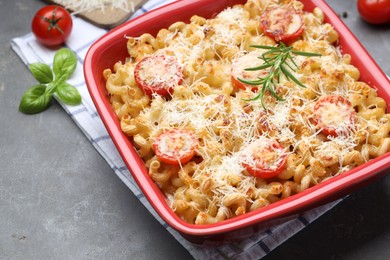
x=51, y=88
x=34, y=100
x=41, y=72
x=64, y=64
x=68, y=94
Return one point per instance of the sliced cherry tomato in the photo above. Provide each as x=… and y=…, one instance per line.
x=238, y=71
x=158, y=74
x=282, y=24
x=374, y=11
x=52, y=25
x=334, y=115
x=175, y=146
x=265, y=158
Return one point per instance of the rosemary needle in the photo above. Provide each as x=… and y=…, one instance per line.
x=280, y=61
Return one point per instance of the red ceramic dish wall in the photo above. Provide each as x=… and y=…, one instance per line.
x=111, y=48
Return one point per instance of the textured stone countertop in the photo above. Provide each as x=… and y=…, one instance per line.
x=60, y=200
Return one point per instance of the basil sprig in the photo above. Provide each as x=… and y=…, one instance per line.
x=51, y=81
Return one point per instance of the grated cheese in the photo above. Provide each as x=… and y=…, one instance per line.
x=92, y=5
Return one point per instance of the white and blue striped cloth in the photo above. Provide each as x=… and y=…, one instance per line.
x=86, y=117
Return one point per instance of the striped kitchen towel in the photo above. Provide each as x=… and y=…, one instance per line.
x=86, y=117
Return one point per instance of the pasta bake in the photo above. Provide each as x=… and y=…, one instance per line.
x=185, y=98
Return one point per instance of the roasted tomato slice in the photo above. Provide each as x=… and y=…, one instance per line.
x=282, y=24
x=265, y=158
x=334, y=115
x=238, y=71
x=158, y=74
x=175, y=146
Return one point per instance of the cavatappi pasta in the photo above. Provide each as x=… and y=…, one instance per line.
x=223, y=133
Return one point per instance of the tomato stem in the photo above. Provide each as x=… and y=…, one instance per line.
x=53, y=23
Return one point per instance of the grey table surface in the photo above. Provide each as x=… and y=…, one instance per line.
x=60, y=200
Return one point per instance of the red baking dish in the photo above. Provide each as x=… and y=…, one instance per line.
x=112, y=48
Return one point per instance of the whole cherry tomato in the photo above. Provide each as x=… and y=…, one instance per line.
x=374, y=11
x=52, y=25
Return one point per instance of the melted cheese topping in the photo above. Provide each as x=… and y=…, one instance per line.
x=295, y=24
x=335, y=115
x=261, y=155
x=250, y=59
x=157, y=70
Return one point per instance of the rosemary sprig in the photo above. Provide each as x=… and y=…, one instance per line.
x=280, y=61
